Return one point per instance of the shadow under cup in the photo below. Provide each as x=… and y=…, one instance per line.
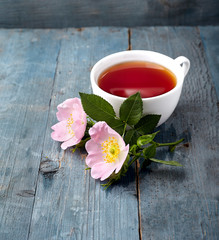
x=164, y=104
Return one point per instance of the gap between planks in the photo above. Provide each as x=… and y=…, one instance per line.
x=137, y=166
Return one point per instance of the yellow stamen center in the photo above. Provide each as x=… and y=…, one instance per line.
x=70, y=121
x=110, y=149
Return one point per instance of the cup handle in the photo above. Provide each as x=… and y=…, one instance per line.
x=184, y=63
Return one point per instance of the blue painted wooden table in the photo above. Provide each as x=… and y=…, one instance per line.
x=46, y=193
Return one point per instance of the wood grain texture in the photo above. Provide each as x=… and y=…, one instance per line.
x=27, y=63
x=182, y=203
x=69, y=204
x=210, y=38
x=46, y=193
x=76, y=13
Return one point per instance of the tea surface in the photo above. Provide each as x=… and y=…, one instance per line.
x=125, y=79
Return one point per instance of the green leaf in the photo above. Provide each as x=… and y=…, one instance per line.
x=117, y=125
x=97, y=108
x=131, y=137
x=172, y=163
x=147, y=124
x=131, y=109
x=150, y=151
x=145, y=139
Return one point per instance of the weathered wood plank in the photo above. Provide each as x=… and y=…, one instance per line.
x=70, y=204
x=175, y=203
x=182, y=203
x=27, y=63
x=210, y=38
x=68, y=13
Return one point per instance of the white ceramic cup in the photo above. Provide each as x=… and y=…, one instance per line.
x=163, y=104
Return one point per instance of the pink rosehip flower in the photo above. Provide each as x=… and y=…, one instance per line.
x=106, y=151
x=72, y=123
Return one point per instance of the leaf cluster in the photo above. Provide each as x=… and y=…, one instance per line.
x=136, y=129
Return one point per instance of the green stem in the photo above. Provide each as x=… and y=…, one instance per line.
x=167, y=144
x=90, y=121
x=109, y=183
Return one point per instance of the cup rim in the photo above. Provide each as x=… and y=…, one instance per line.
x=179, y=76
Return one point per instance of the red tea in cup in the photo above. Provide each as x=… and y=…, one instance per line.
x=125, y=79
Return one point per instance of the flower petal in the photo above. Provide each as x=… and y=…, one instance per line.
x=102, y=170
x=100, y=167
x=93, y=159
x=69, y=143
x=101, y=131
x=122, y=157
x=60, y=132
x=70, y=130
x=68, y=107
x=109, y=171
x=79, y=127
x=95, y=154
x=92, y=147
